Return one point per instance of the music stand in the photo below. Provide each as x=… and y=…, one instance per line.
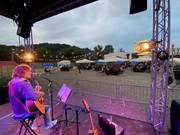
x=63, y=96
x=64, y=93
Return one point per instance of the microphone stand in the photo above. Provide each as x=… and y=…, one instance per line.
x=51, y=94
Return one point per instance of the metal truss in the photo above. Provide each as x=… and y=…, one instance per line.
x=159, y=68
x=29, y=48
x=28, y=44
x=58, y=7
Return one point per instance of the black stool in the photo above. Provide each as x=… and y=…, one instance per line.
x=25, y=123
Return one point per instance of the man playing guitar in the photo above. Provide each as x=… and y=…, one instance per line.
x=20, y=90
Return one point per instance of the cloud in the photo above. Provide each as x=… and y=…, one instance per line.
x=105, y=22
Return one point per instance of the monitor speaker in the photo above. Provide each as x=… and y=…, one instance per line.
x=175, y=117
x=137, y=6
x=4, y=95
x=106, y=126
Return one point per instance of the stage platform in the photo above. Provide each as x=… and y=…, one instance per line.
x=8, y=126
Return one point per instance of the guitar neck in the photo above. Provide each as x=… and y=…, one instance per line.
x=91, y=119
x=95, y=132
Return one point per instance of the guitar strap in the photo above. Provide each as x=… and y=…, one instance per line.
x=12, y=94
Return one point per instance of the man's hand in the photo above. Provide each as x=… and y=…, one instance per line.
x=40, y=93
x=37, y=88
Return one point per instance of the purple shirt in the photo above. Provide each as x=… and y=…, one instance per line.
x=22, y=91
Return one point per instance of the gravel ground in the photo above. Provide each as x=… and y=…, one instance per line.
x=121, y=108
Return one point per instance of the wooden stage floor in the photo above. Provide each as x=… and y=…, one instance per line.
x=8, y=126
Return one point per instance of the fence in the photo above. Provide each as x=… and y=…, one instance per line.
x=134, y=97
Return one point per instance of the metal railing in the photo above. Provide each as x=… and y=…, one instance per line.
x=133, y=94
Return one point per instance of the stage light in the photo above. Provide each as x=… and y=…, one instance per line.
x=143, y=47
x=28, y=57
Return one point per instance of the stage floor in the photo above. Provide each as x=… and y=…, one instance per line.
x=8, y=126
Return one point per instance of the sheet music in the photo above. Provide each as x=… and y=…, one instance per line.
x=64, y=93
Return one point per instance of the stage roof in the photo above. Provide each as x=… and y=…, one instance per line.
x=37, y=10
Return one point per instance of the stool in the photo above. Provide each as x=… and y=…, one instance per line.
x=25, y=123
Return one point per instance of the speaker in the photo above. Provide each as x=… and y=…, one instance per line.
x=106, y=126
x=137, y=6
x=175, y=117
x=24, y=30
x=4, y=95
x=109, y=127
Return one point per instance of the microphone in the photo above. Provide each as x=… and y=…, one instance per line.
x=36, y=74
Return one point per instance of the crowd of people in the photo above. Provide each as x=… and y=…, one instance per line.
x=117, y=68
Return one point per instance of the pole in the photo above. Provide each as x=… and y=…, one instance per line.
x=172, y=51
x=12, y=55
x=77, y=122
x=51, y=99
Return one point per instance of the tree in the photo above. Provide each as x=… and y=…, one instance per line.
x=121, y=50
x=98, y=51
x=4, y=53
x=67, y=53
x=43, y=53
x=108, y=49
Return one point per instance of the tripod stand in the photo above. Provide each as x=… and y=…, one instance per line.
x=66, y=107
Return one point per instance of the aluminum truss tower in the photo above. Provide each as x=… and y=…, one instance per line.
x=29, y=48
x=28, y=44
x=159, y=67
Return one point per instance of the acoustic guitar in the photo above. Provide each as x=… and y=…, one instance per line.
x=92, y=131
x=38, y=104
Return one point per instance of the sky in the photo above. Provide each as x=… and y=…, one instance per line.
x=105, y=22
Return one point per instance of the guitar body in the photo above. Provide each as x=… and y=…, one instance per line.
x=95, y=132
x=35, y=106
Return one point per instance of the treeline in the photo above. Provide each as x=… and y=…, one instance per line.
x=54, y=52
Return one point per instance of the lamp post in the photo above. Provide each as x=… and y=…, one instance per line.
x=172, y=51
x=12, y=55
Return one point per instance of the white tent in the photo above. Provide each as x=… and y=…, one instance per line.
x=64, y=62
x=143, y=59
x=115, y=59
x=84, y=61
x=175, y=60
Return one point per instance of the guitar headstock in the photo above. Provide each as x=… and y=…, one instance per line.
x=37, y=86
x=36, y=82
x=86, y=105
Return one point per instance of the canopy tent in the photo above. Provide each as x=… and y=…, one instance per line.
x=142, y=59
x=175, y=60
x=84, y=61
x=134, y=61
x=100, y=61
x=48, y=64
x=64, y=62
x=115, y=59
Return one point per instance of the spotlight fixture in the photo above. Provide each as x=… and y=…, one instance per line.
x=143, y=47
x=28, y=57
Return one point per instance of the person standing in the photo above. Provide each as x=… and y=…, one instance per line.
x=20, y=90
x=79, y=68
